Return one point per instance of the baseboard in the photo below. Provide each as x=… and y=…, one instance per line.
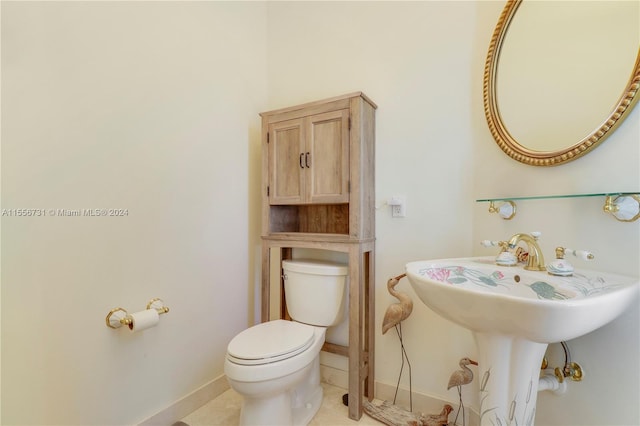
x=422, y=403
x=188, y=404
x=334, y=376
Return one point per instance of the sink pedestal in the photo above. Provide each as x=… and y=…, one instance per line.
x=510, y=310
x=508, y=374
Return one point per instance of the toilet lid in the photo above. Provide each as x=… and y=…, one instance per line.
x=270, y=342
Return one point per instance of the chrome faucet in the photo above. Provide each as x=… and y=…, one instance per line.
x=535, y=260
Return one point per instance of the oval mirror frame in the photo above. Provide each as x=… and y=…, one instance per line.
x=507, y=142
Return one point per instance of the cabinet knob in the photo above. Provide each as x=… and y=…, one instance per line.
x=301, y=155
x=306, y=160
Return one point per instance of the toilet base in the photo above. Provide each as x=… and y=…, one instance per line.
x=277, y=411
x=265, y=404
x=303, y=414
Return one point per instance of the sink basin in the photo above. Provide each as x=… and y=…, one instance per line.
x=513, y=315
x=481, y=296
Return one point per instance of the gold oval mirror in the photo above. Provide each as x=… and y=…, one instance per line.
x=556, y=100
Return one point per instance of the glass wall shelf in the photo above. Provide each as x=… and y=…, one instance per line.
x=544, y=197
x=624, y=206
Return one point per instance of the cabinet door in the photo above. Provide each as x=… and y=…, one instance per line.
x=286, y=162
x=326, y=158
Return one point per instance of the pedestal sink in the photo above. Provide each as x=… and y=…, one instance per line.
x=514, y=314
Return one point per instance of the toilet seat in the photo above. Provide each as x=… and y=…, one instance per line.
x=270, y=342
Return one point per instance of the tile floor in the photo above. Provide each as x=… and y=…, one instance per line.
x=225, y=411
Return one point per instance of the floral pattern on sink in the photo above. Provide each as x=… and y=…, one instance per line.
x=497, y=281
x=460, y=274
x=589, y=286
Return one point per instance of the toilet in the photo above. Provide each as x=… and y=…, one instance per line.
x=275, y=365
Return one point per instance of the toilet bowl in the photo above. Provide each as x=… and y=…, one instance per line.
x=275, y=365
x=282, y=389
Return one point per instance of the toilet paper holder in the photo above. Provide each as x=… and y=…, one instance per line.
x=118, y=317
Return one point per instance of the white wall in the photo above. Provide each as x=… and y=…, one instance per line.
x=609, y=355
x=103, y=105
x=423, y=63
x=408, y=59
x=150, y=107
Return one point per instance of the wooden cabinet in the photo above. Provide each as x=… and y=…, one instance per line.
x=309, y=159
x=318, y=168
x=318, y=192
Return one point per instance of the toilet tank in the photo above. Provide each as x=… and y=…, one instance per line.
x=314, y=291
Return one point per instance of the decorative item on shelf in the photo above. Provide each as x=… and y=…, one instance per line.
x=458, y=379
x=625, y=208
x=393, y=317
x=137, y=321
x=506, y=210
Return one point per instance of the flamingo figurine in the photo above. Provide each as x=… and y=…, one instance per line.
x=459, y=378
x=462, y=377
x=393, y=317
x=396, y=312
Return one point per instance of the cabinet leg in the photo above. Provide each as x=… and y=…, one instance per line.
x=266, y=262
x=369, y=325
x=356, y=358
x=286, y=253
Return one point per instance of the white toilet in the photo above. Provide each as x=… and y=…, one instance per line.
x=275, y=365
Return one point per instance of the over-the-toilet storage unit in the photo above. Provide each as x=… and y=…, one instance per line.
x=318, y=192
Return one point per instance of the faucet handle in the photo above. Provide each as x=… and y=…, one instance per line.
x=489, y=243
x=582, y=254
x=504, y=246
x=563, y=268
x=505, y=257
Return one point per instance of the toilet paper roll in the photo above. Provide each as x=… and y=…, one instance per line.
x=143, y=320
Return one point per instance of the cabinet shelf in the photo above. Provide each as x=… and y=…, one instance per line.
x=304, y=237
x=310, y=218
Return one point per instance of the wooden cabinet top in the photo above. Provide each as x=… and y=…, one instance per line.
x=321, y=102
